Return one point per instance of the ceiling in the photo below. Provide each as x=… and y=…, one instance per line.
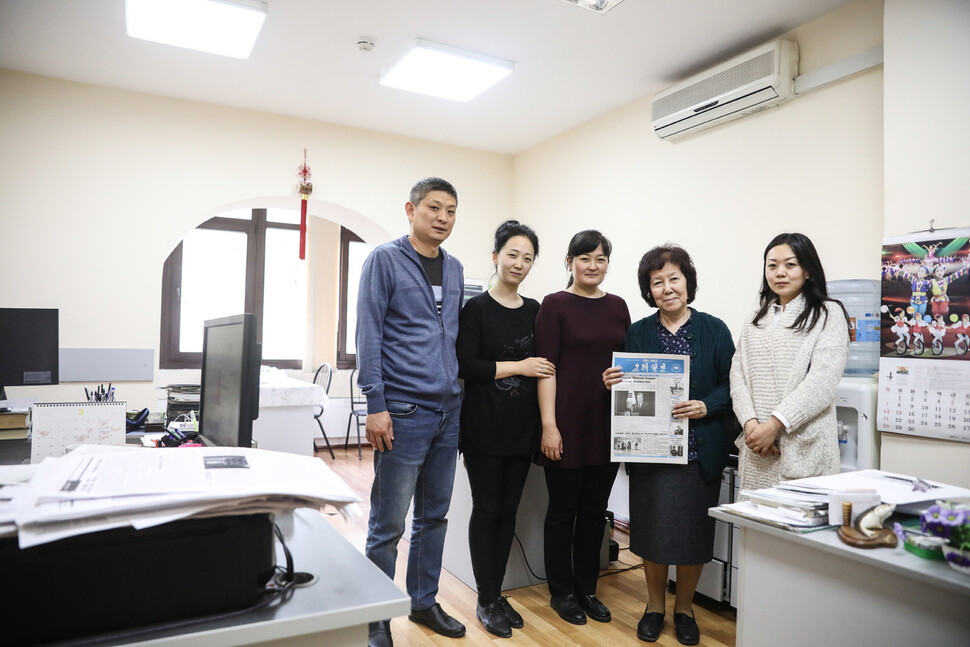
x=572, y=65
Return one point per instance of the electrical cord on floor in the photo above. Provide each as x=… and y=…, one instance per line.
x=281, y=584
x=614, y=571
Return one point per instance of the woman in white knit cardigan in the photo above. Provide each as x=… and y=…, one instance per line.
x=787, y=368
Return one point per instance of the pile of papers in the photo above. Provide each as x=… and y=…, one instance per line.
x=96, y=488
x=787, y=506
x=802, y=505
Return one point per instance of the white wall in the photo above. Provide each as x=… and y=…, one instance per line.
x=99, y=185
x=813, y=165
x=926, y=142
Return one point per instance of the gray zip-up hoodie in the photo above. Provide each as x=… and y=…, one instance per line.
x=405, y=350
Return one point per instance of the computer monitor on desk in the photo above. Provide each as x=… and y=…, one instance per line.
x=28, y=347
x=229, y=400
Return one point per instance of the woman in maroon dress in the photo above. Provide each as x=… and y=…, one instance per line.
x=578, y=329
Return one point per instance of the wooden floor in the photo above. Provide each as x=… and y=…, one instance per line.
x=623, y=591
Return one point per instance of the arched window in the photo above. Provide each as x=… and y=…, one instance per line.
x=239, y=261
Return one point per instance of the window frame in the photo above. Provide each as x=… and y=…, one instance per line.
x=170, y=357
x=344, y=359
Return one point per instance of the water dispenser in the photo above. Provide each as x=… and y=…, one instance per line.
x=855, y=411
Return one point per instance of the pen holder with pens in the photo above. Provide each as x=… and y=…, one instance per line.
x=100, y=393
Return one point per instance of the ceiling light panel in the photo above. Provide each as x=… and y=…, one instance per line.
x=225, y=27
x=445, y=72
x=599, y=6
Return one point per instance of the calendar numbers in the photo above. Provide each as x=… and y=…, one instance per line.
x=906, y=406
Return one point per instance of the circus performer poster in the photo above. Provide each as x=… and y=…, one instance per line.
x=924, y=365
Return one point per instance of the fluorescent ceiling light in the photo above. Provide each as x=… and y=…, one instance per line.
x=446, y=72
x=599, y=6
x=225, y=27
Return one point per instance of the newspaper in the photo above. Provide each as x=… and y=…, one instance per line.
x=96, y=488
x=642, y=428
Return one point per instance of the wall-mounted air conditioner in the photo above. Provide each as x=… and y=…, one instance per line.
x=757, y=80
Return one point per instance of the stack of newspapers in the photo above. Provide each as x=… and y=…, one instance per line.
x=96, y=488
x=790, y=506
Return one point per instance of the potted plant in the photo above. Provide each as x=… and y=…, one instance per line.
x=950, y=522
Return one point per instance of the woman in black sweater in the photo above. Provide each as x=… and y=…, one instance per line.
x=499, y=414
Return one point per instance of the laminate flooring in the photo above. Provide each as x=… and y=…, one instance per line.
x=621, y=588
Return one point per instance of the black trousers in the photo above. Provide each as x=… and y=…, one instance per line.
x=496, y=483
x=573, y=532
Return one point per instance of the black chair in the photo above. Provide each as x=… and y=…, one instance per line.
x=323, y=377
x=358, y=410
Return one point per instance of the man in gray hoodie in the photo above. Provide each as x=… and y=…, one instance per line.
x=407, y=320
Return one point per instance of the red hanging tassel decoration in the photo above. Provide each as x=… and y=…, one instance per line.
x=306, y=188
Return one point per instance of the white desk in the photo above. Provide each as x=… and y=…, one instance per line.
x=286, y=408
x=811, y=589
x=349, y=593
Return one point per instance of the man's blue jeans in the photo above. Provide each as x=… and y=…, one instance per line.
x=420, y=466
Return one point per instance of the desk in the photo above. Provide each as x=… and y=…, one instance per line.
x=811, y=589
x=286, y=408
x=349, y=593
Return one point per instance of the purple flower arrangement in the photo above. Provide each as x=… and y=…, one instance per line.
x=951, y=523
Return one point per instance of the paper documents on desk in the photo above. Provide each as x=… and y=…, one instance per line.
x=777, y=516
x=898, y=489
x=92, y=489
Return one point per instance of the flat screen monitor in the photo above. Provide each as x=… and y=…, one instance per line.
x=229, y=401
x=28, y=347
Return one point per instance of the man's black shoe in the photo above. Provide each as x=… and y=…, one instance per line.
x=594, y=608
x=568, y=609
x=379, y=634
x=686, y=628
x=439, y=621
x=515, y=620
x=650, y=626
x=493, y=619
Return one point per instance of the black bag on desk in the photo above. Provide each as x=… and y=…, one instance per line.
x=125, y=578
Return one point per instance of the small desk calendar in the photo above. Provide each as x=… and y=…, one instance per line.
x=924, y=364
x=57, y=426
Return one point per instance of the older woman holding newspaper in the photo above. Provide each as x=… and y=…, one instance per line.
x=669, y=502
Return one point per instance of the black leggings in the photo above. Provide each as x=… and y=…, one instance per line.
x=573, y=531
x=496, y=483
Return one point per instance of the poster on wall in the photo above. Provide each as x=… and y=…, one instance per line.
x=924, y=364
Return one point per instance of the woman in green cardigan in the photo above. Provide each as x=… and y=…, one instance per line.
x=669, y=523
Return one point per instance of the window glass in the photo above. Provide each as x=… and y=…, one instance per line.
x=284, y=296
x=356, y=255
x=287, y=216
x=213, y=281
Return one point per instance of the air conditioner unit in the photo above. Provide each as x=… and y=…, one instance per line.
x=755, y=81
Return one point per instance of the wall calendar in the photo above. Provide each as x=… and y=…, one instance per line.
x=924, y=365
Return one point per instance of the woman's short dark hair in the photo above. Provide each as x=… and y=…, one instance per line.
x=586, y=241
x=512, y=228
x=655, y=259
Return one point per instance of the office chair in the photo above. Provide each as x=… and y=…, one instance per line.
x=358, y=410
x=323, y=377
